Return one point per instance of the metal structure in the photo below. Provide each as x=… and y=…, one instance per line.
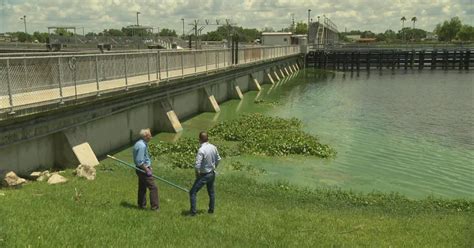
x=198, y=26
x=322, y=34
x=28, y=81
x=367, y=59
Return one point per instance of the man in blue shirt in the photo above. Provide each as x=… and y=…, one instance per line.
x=142, y=160
x=207, y=160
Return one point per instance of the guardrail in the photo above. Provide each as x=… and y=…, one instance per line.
x=29, y=81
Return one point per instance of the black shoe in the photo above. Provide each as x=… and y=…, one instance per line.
x=210, y=211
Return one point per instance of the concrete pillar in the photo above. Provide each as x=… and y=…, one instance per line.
x=276, y=75
x=267, y=77
x=165, y=118
x=208, y=101
x=254, y=84
x=291, y=69
x=286, y=70
x=238, y=92
x=235, y=92
x=72, y=149
x=294, y=67
x=282, y=74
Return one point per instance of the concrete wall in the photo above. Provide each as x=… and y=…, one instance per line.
x=114, y=127
x=274, y=39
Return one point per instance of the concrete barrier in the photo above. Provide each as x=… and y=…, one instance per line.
x=70, y=134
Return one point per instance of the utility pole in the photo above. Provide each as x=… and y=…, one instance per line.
x=293, y=22
x=182, y=19
x=196, y=32
x=309, y=16
x=24, y=21
x=137, y=18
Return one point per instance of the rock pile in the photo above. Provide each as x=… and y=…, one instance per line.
x=12, y=180
x=56, y=179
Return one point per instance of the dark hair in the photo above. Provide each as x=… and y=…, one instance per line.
x=203, y=136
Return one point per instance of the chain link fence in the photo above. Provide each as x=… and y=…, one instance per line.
x=28, y=81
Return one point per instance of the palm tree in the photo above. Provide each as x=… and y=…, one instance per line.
x=413, y=19
x=403, y=19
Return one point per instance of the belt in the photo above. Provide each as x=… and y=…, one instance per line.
x=203, y=174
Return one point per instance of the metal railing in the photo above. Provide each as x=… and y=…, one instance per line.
x=29, y=81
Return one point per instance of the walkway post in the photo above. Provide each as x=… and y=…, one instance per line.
x=60, y=79
x=97, y=74
x=10, y=97
x=182, y=65
x=205, y=53
x=148, y=67
x=125, y=70
x=195, y=65
x=25, y=69
x=158, y=66
x=224, y=57
x=167, y=67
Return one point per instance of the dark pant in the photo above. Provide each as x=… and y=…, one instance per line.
x=201, y=180
x=145, y=182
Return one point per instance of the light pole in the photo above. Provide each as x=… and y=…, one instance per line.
x=309, y=16
x=137, y=18
x=182, y=19
x=24, y=21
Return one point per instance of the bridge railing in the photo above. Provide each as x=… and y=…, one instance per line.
x=37, y=80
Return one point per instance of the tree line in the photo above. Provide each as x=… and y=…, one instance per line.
x=447, y=31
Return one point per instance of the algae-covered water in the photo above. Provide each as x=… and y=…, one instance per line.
x=409, y=132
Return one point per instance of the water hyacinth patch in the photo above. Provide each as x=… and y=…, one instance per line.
x=272, y=136
x=254, y=134
x=182, y=153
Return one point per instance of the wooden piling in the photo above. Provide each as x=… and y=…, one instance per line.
x=467, y=59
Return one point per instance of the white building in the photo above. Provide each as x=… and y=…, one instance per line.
x=276, y=38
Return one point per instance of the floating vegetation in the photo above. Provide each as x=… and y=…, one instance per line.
x=254, y=134
x=263, y=102
x=182, y=153
x=273, y=136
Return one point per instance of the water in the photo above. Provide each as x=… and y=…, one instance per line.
x=410, y=132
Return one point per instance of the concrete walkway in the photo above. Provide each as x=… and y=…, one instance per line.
x=39, y=97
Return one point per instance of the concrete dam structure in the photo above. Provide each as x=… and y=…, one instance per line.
x=65, y=110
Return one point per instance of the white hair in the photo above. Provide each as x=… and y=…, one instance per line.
x=145, y=132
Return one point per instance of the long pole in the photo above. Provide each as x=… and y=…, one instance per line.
x=159, y=178
x=309, y=16
x=182, y=19
x=137, y=19
x=24, y=22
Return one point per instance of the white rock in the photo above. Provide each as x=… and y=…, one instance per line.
x=44, y=176
x=86, y=171
x=56, y=179
x=11, y=179
x=35, y=174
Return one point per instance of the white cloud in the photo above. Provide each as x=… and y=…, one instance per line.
x=96, y=15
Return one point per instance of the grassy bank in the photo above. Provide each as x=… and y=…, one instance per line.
x=102, y=213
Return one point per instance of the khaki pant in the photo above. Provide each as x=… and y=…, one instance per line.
x=145, y=182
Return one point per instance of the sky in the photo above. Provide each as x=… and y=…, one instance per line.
x=97, y=15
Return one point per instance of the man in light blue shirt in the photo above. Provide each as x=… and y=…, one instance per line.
x=142, y=160
x=207, y=160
